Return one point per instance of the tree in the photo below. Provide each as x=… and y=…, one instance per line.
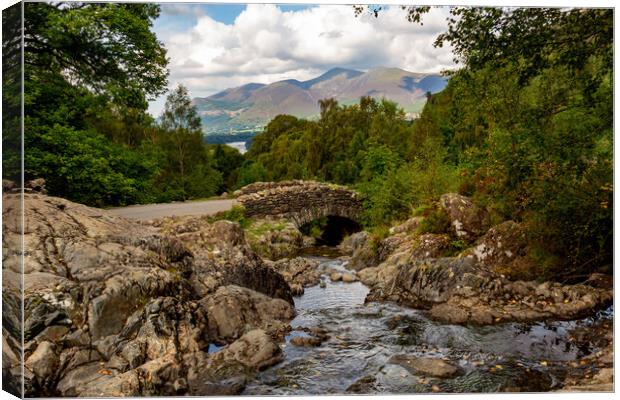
x=532, y=38
x=105, y=47
x=89, y=70
x=189, y=165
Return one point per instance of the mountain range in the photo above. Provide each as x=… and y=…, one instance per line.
x=249, y=107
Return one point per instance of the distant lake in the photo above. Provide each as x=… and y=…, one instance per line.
x=241, y=146
x=239, y=141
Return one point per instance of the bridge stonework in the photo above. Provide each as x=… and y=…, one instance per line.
x=299, y=201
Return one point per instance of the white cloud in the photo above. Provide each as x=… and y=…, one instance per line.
x=265, y=45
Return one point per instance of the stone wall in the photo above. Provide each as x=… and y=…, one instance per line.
x=299, y=201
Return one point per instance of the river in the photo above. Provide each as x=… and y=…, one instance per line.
x=506, y=357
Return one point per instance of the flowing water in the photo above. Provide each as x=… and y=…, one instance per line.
x=506, y=357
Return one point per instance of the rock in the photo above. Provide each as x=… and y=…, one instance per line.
x=409, y=226
x=335, y=276
x=113, y=307
x=373, y=252
x=255, y=351
x=429, y=245
x=297, y=289
x=504, y=249
x=425, y=366
x=275, y=239
x=77, y=380
x=220, y=263
x=36, y=185
x=233, y=311
x=44, y=361
x=364, y=385
x=451, y=314
x=458, y=290
x=322, y=285
x=603, y=381
x=301, y=271
x=467, y=220
x=353, y=242
x=52, y=334
x=228, y=232
x=305, y=341
x=349, y=278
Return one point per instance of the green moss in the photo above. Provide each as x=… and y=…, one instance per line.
x=235, y=214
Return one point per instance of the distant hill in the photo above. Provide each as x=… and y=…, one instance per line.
x=249, y=107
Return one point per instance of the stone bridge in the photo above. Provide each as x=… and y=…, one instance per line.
x=299, y=201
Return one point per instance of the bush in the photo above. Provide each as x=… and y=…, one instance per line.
x=86, y=167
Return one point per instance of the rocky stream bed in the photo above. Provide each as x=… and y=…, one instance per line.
x=201, y=306
x=378, y=347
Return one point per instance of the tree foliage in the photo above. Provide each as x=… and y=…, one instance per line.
x=366, y=145
x=529, y=121
x=105, y=47
x=89, y=70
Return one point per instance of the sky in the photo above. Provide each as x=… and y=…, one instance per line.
x=217, y=46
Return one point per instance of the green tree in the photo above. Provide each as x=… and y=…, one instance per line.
x=89, y=70
x=108, y=48
x=189, y=166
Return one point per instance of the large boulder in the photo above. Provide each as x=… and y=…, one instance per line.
x=374, y=251
x=299, y=271
x=504, y=249
x=409, y=249
x=222, y=256
x=234, y=310
x=467, y=220
x=353, y=242
x=274, y=239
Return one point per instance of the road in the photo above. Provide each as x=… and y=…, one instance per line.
x=151, y=211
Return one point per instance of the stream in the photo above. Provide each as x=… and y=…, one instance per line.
x=528, y=357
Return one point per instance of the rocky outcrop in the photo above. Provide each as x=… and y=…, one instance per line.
x=467, y=220
x=354, y=242
x=274, y=239
x=299, y=201
x=119, y=308
x=234, y=311
x=459, y=291
x=299, y=271
x=504, y=249
x=223, y=257
x=409, y=226
x=374, y=251
x=404, y=248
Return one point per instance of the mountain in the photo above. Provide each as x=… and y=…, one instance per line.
x=249, y=107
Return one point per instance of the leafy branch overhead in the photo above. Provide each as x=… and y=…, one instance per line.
x=104, y=47
x=534, y=38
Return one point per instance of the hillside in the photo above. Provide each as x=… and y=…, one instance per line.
x=248, y=107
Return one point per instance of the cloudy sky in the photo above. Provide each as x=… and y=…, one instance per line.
x=214, y=47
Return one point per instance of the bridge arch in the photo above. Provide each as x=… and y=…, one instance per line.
x=301, y=202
